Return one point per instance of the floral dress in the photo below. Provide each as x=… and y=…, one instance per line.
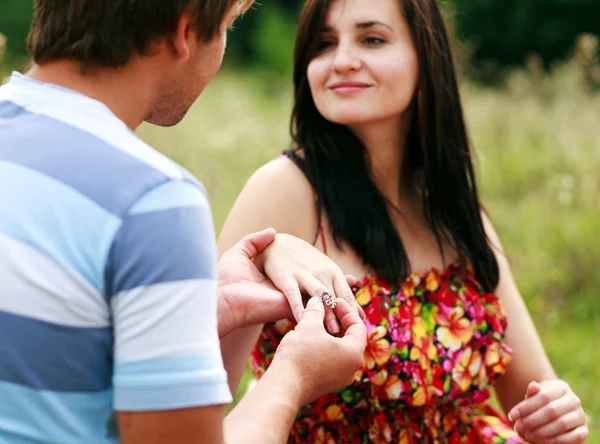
x=435, y=345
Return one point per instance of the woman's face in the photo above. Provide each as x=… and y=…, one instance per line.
x=366, y=68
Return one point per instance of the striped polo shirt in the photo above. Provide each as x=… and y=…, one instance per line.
x=107, y=273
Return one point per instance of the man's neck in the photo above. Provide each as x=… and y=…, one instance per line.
x=123, y=90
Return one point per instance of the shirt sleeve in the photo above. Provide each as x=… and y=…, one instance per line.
x=161, y=281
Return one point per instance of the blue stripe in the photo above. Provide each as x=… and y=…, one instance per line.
x=56, y=220
x=46, y=356
x=9, y=110
x=191, y=368
x=178, y=396
x=162, y=246
x=171, y=383
x=28, y=416
x=172, y=194
x=106, y=175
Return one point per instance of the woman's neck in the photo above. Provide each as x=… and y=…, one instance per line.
x=385, y=143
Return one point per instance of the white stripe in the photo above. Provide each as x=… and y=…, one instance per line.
x=35, y=286
x=166, y=320
x=173, y=194
x=87, y=114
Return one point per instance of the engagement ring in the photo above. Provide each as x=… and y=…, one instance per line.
x=328, y=299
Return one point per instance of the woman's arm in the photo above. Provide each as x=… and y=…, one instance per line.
x=542, y=408
x=279, y=196
x=530, y=362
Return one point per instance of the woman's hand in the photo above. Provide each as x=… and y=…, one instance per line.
x=551, y=414
x=295, y=267
x=248, y=297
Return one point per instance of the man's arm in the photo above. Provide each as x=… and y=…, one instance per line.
x=308, y=363
x=266, y=414
x=186, y=426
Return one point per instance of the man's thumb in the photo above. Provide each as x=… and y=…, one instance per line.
x=254, y=243
x=313, y=313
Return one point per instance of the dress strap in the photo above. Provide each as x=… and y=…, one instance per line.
x=323, y=240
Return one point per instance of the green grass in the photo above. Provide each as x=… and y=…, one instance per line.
x=538, y=151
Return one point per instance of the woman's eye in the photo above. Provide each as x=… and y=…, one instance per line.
x=324, y=44
x=374, y=41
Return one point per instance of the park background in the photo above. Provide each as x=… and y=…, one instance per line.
x=530, y=81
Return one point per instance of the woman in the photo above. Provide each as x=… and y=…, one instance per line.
x=381, y=180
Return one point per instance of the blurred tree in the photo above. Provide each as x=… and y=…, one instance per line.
x=505, y=32
x=270, y=26
x=15, y=18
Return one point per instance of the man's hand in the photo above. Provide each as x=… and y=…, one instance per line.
x=322, y=363
x=247, y=296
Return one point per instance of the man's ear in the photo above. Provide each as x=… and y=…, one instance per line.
x=183, y=36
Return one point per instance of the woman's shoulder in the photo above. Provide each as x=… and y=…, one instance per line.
x=283, y=177
x=280, y=196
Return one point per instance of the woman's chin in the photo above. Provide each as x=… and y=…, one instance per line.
x=349, y=119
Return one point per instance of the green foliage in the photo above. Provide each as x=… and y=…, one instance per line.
x=264, y=38
x=504, y=32
x=15, y=18
x=274, y=40
x=538, y=151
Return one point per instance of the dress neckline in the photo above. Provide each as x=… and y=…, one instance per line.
x=417, y=277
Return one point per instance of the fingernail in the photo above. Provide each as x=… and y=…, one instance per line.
x=530, y=437
x=333, y=327
x=550, y=441
x=514, y=415
x=299, y=316
x=313, y=301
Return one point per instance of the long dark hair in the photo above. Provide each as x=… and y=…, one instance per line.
x=337, y=164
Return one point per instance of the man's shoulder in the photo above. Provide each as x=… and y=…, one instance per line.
x=99, y=158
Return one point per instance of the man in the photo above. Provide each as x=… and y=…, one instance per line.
x=108, y=270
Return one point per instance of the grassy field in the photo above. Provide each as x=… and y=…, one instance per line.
x=538, y=150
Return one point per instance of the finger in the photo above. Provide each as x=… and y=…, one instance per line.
x=579, y=435
x=313, y=315
x=352, y=281
x=544, y=397
x=331, y=321
x=315, y=288
x=533, y=389
x=354, y=328
x=343, y=290
x=563, y=424
x=270, y=306
x=547, y=414
x=361, y=313
x=292, y=293
x=346, y=314
x=253, y=244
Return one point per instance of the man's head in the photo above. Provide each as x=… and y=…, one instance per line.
x=110, y=34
